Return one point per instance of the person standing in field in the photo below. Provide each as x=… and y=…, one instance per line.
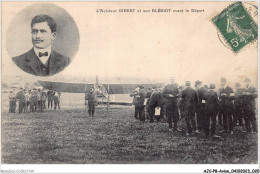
x=12, y=101
x=148, y=96
x=50, y=98
x=171, y=93
x=200, y=104
x=27, y=100
x=44, y=98
x=238, y=114
x=249, y=94
x=139, y=96
x=34, y=100
x=91, y=98
x=155, y=102
x=20, y=96
x=211, y=111
x=226, y=100
x=189, y=97
x=56, y=99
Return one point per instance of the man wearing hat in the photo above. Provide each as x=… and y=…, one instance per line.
x=34, y=100
x=211, y=110
x=170, y=94
x=249, y=94
x=200, y=92
x=154, y=102
x=20, y=96
x=189, y=99
x=39, y=100
x=139, y=96
x=148, y=96
x=27, y=100
x=226, y=101
x=12, y=101
x=50, y=95
x=238, y=105
x=91, y=98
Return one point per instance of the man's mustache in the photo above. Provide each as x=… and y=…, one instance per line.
x=38, y=40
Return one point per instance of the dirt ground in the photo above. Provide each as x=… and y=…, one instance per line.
x=114, y=136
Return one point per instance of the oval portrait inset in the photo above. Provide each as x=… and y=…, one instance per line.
x=42, y=39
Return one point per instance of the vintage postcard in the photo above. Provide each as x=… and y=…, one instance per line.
x=130, y=83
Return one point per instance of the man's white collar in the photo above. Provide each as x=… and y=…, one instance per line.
x=43, y=59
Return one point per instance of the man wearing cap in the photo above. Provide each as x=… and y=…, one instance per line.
x=21, y=98
x=211, y=110
x=200, y=104
x=238, y=105
x=249, y=94
x=44, y=98
x=226, y=100
x=154, y=102
x=171, y=94
x=91, y=98
x=134, y=94
x=139, y=96
x=180, y=102
x=148, y=96
x=39, y=100
x=27, y=100
x=189, y=99
x=34, y=100
x=12, y=101
x=50, y=95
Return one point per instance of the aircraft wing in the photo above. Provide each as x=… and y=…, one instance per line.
x=66, y=87
x=126, y=88
x=81, y=87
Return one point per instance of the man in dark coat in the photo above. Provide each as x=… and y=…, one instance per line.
x=226, y=100
x=200, y=104
x=238, y=114
x=42, y=60
x=20, y=96
x=50, y=95
x=211, y=110
x=34, y=100
x=12, y=101
x=91, y=98
x=189, y=98
x=170, y=94
x=249, y=94
x=148, y=96
x=139, y=96
x=134, y=94
x=154, y=102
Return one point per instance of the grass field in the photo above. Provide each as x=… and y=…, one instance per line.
x=70, y=136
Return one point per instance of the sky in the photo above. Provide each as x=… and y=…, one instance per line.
x=148, y=46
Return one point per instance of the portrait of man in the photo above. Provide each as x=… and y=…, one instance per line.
x=42, y=59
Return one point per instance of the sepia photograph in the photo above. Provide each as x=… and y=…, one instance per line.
x=125, y=82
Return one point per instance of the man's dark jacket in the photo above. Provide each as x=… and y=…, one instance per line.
x=30, y=63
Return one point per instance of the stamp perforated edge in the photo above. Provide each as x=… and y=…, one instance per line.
x=249, y=44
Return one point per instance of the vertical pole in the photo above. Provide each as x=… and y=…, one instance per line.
x=41, y=100
x=85, y=89
x=108, y=97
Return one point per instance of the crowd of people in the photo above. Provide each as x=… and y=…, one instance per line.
x=202, y=108
x=33, y=100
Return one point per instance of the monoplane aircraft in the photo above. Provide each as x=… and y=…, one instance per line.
x=101, y=90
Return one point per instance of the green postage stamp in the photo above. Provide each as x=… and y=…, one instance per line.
x=237, y=26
